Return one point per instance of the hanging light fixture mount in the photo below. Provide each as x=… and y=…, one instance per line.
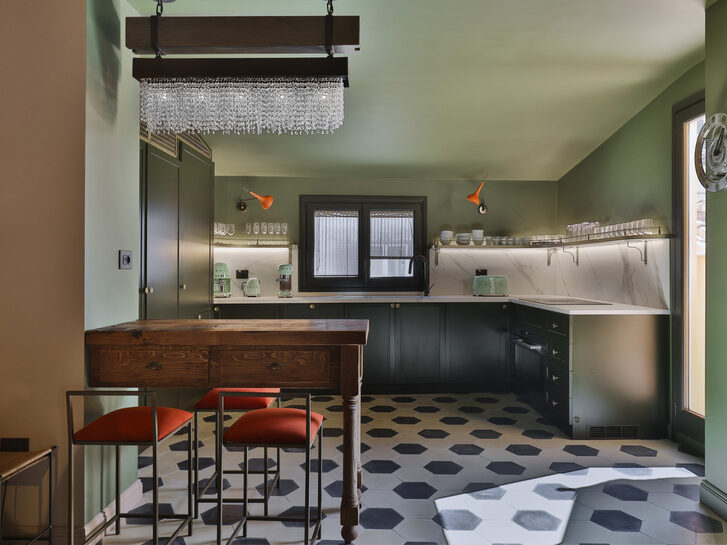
x=474, y=198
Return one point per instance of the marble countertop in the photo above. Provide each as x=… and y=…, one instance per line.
x=539, y=301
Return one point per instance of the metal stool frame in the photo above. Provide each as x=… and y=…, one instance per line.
x=199, y=493
x=116, y=519
x=316, y=534
x=48, y=529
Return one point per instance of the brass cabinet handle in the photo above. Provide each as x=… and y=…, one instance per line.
x=274, y=366
x=199, y=316
x=154, y=366
x=398, y=305
x=504, y=307
x=216, y=309
x=554, y=403
x=555, y=325
x=555, y=378
x=312, y=306
x=554, y=352
x=148, y=290
x=183, y=286
x=392, y=305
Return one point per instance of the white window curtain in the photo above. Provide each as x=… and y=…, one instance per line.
x=391, y=236
x=336, y=243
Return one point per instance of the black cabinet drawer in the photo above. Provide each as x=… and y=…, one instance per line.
x=524, y=317
x=558, y=347
x=557, y=405
x=557, y=323
x=557, y=374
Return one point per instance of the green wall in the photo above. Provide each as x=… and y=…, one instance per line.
x=629, y=176
x=112, y=213
x=716, y=381
x=516, y=208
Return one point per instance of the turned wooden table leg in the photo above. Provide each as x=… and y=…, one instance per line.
x=351, y=394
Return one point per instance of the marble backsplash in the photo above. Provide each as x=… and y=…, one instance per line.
x=609, y=272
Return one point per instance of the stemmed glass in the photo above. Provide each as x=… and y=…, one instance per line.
x=248, y=229
x=256, y=228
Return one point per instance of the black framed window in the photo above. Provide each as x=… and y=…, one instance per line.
x=361, y=243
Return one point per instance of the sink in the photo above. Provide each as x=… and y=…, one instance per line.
x=563, y=302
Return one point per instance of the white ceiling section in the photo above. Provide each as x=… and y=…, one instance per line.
x=516, y=89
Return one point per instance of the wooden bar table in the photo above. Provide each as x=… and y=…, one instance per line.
x=301, y=354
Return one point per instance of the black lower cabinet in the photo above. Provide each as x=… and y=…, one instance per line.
x=477, y=343
x=249, y=311
x=377, y=352
x=312, y=311
x=419, y=342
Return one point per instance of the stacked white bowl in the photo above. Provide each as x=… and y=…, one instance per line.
x=478, y=236
x=463, y=239
x=446, y=237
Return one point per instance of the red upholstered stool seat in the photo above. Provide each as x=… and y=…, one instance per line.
x=132, y=425
x=277, y=426
x=211, y=402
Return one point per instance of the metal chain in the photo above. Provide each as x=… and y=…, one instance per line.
x=330, y=7
x=160, y=8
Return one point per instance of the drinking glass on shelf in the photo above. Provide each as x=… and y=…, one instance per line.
x=277, y=228
x=284, y=228
x=230, y=229
x=248, y=228
x=264, y=228
x=256, y=228
x=271, y=228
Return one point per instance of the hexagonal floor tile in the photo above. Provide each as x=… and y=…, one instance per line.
x=516, y=410
x=182, y=446
x=524, y=450
x=457, y=519
x=382, y=432
x=625, y=492
x=415, y=490
x=379, y=518
x=453, y=420
x=486, y=400
x=165, y=541
x=506, y=468
x=466, y=449
x=403, y=399
x=381, y=466
x=366, y=419
x=283, y=488
x=443, y=468
x=485, y=491
x=144, y=461
x=427, y=409
x=382, y=409
x=471, y=410
x=698, y=523
x=502, y=421
x=204, y=463
x=444, y=399
x=566, y=467
x=434, y=434
x=230, y=515
x=332, y=432
x=364, y=448
x=409, y=448
x=689, y=491
x=485, y=434
x=330, y=409
x=697, y=469
x=616, y=520
x=335, y=489
x=147, y=482
x=580, y=450
x=328, y=465
x=213, y=417
x=258, y=464
x=538, y=434
x=212, y=490
x=299, y=511
x=554, y=491
x=536, y=521
x=638, y=450
x=406, y=420
x=322, y=399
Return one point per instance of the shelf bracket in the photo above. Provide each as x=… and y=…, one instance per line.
x=551, y=253
x=436, y=255
x=644, y=255
x=575, y=256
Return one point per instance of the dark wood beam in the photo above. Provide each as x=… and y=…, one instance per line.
x=229, y=35
x=147, y=68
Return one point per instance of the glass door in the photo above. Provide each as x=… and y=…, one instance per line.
x=689, y=295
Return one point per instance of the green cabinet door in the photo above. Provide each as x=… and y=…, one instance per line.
x=195, y=234
x=478, y=345
x=377, y=352
x=250, y=311
x=312, y=311
x=419, y=342
x=161, y=199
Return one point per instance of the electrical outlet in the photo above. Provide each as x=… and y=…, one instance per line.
x=14, y=444
x=242, y=274
x=125, y=259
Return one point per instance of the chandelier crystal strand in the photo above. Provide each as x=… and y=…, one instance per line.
x=312, y=105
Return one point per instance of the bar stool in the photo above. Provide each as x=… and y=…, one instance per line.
x=273, y=427
x=137, y=426
x=209, y=403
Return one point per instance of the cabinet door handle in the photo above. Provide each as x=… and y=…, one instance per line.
x=555, y=378
x=216, y=309
x=554, y=325
x=153, y=366
x=275, y=366
x=554, y=352
x=183, y=286
x=312, y=306
x=398, y=305
x=554, y=403
x=148, y=290
x=392, y=305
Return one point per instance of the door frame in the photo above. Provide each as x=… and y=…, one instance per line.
x=686, y=427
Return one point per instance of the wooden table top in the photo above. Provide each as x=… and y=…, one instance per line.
x=232, y=332
x=12, y=462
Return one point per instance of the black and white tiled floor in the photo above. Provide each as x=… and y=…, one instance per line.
x=418, y=448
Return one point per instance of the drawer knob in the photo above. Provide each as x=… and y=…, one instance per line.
x=555, y=325
x=216, y=309
x=183, y=286
x=275, y=366
x=154, y=366
x=554, y=352
x=555, y=378
x=398, y=305
x=311, y=306
x=148, y=290
x=554, y=403
x=392, y=305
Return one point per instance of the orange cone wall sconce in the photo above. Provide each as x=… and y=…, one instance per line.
x=474, y=198
x=266, y=201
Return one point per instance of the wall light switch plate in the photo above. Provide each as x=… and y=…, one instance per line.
x=125, y=259
x=242, y=274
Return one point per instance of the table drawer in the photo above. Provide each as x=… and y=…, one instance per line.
x=292, y=368
x=149, y=368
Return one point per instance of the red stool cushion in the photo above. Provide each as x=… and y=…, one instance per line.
x=211, y=401
x=277, y=426
x=132, y=425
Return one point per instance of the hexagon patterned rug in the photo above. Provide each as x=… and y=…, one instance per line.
x=537, y=511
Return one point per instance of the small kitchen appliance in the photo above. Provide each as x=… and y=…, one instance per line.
x=221, y=281
x=285, y=279
x=484, y=284
x=251, y=288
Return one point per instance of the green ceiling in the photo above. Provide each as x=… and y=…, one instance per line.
x=517, y=89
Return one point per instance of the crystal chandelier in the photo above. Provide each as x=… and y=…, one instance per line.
x=242, y=105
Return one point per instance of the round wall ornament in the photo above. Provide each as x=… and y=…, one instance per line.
x=710, y=153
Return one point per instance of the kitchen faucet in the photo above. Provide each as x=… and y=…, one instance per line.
x=426, y=271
